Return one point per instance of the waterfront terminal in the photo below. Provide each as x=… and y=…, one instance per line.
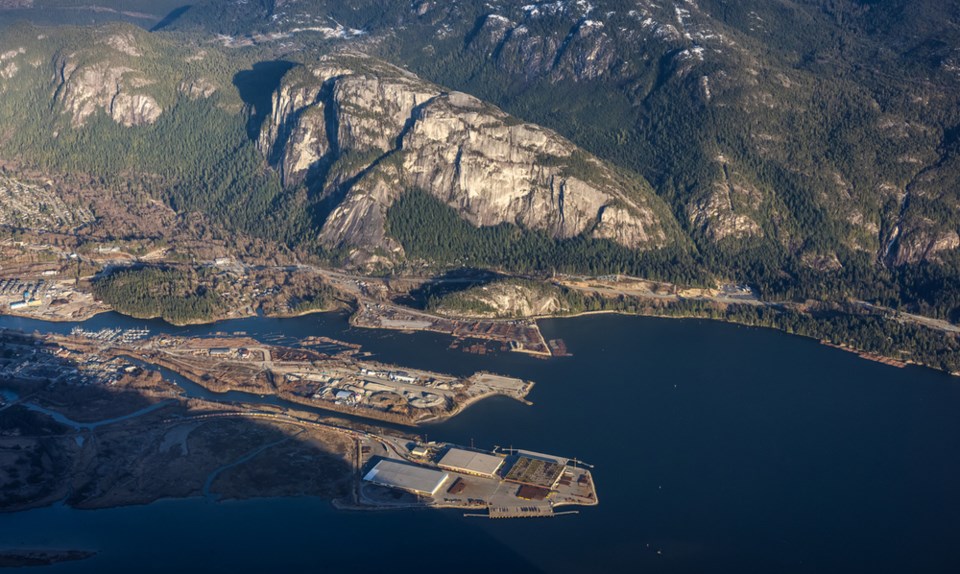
x=503, y=483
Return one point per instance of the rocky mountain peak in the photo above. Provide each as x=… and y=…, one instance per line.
x=360, y=132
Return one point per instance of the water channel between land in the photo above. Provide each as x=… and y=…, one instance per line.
x=717, y=448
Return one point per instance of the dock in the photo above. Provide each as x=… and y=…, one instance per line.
x=521, y=511
x=489, y=484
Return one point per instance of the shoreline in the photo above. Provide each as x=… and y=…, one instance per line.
x=198, y=322
x=469, y=403
x=865, y=355
x=430, y=329
x=842, y=345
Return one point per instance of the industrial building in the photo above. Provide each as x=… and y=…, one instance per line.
x=416, y=479
x=25, y=303
x=420, y=451
x=470, y=462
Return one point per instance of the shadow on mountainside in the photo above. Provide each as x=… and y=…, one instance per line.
x=256, y=87
x=450, y=282
x=170, y=18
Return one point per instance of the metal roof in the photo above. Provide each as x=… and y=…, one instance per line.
x=470, y=461
x=396, y=474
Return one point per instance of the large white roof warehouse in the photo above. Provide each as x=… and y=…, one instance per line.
x=412, y=478
x=459, y=460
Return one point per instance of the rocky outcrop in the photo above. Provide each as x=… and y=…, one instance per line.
x=822, y=262
x=82, y=89
x=364, y=112
x=197, y=89
x=118, y=71
x=510, y=298
x=924, y=245
x=294, y=138
x=586, y=53
x=9, y=70
x=715, y=216
x=8, y=63
x=359, y=221
x=125, y=43
x=134, y=109
x=727, y=209
x=926, y=228
x=359, y=132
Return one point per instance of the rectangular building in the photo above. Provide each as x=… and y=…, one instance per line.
x=420, y=451
x=470, y=462
x=412, y=478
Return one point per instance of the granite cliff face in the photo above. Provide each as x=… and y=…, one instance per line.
x=81, y=89
x=925, y=228
x=727, y=209
x=359, y=132
x=122, y=72
x=825, y=143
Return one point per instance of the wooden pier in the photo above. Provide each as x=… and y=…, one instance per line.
x=534, y=511
x=520, y=512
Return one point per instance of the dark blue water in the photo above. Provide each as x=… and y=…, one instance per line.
x=726, y=449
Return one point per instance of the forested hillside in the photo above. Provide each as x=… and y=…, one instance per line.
x=142, y=113
x=145, y=13
x=310, y=154
x=807, y=147
x=179, y=296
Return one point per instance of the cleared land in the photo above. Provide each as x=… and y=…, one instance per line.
x=521, y=336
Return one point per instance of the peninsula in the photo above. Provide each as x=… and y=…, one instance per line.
x=114, y=417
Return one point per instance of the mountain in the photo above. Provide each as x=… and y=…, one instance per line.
x=314, y=154
x=360, y=132
x=805, y=146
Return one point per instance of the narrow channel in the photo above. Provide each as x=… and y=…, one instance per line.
x=196, y=391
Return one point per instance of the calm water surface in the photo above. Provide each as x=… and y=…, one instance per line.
x=717, y=448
